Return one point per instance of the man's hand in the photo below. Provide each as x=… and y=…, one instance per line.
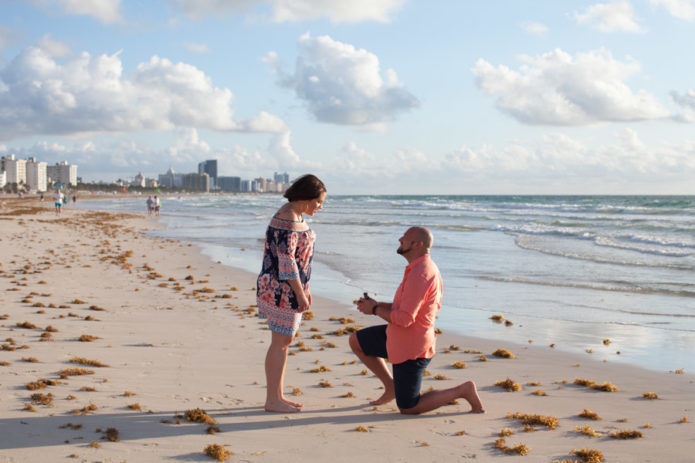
x=366, y=305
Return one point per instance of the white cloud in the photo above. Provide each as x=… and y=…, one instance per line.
x=106, y=11
x=53, y=47
x=686, y=100
x=617, y=15
x=84, y=94
x=187, y=147
x=296, y=10
x=559, y=89
x=343, y=85
x=196, y=47
x=535, y=28
x=559, y=155
x=681, y=9
x=7, y=36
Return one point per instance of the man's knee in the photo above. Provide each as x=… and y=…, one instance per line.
x=355, y=344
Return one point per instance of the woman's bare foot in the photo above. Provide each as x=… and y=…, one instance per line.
x=385, y=398
x=281, y=407
x=294, y=404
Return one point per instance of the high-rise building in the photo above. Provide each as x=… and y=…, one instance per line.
x=3, y=178
x=232, y=184
x=139, y=180
x=245, y=186
x=36, y=175
x=281, y=178
x=171, y=179
x=197, y=182
x=62, y=172
x=209, y=167
x=15, y=169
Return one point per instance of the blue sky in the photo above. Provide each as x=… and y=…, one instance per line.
x=373, y=96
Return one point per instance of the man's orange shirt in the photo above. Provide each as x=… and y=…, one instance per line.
x=410, y=334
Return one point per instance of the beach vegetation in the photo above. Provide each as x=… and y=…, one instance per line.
x=111, y=435
x=482, y=358
x=29, y=408
x=521, y=449
x=135, y=406
x=88, y=338
x=472, y=351
x=497, y=318
x=199, y=416
x=347, y=395
x=42, y=399
x=362, y=428
x=509, y=385
x=27, y=325
x=84, y=361
x=539, y=393
x=74, y=427
x=212, y=430
x=587, y=431
x=324, y=384
x=129, y=394
x=459, y=365
x=460, y=433
x=626, y=434
x=588, y=455
x=586, y=413
x=77, y=301
x=650, y=396
x=88, y=389
x=320, y=369
x=63, y=374
x=217, y=452
x=503, y=353
x=30, y=359
x=85, y=410
x=506, y=432
x=549, y=422
x=605, y=387
x=684, y=420
x=440, y=377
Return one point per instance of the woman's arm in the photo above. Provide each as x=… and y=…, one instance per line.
x=302, y=300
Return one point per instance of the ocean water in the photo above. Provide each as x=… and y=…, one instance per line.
x=571, y=271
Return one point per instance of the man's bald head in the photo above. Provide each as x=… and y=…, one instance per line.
x=424, y=235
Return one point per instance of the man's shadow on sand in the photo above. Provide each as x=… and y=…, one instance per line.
x=41, y=431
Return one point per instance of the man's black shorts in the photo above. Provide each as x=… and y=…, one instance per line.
x=407, y=376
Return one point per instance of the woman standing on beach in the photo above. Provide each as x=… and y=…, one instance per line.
x=283, y=284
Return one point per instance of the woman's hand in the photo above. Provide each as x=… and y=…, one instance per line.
x=303, y=302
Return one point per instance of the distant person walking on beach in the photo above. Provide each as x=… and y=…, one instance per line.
x=283, y=284
x=150, y=205
x=157, y=205
x=408, y=341
x=58, y=198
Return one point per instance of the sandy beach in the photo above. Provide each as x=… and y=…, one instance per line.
x=109, y=337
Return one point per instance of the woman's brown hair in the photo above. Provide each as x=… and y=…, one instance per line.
x=304, y=188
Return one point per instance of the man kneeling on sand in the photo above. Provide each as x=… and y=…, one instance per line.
x=408, y=341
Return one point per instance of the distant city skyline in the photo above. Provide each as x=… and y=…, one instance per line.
x=372, y=96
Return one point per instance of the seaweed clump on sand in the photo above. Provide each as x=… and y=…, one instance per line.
x=586, y=413
x=549, y=422
x=521, y=449
x=217, y=452
x=503, y=353
x=650, y=396
x=605, y=387
x=199, y=416
x=509, y=385
x=626, y=434
x=588, y=455
x=587, y=431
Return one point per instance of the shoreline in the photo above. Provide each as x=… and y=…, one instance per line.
x=178, y=350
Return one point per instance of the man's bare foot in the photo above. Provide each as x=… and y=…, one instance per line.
x=281, y=407
x=294, y=404
x=470, y=393
x=385, y=398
